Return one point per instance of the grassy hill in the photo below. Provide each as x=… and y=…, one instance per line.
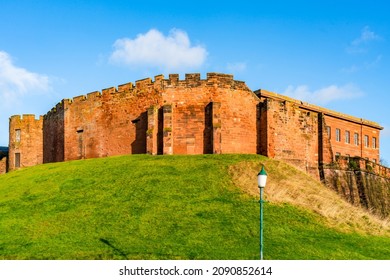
x=179, y=207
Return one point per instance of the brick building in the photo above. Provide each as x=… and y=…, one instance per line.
x=190, y=116
x=309, y=136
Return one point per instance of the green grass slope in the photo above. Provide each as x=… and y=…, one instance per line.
x=161, y=207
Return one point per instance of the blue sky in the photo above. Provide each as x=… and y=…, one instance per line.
x=335, y=54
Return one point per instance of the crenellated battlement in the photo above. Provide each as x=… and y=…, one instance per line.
x=159, y=83
x=173, y=79
x=212, y=79
x=94, y=94
x=144, y=83
x=125, y=87
x=56, y=109
x=79, y=98
x=108, y=91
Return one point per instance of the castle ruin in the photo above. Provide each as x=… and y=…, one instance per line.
x=191, y=116
x=207, y=116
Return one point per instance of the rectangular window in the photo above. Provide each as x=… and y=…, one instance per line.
x=338, y=139
x=80, y=144
x=337, y=155
x=356, y=139
x=328, y=131
x=17, y=160
x=17, y=135
x=347, y=137
x=374, y=142
x=374, y=160
x=365, y=140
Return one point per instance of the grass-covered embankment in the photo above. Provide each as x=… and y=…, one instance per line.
x=167, y=207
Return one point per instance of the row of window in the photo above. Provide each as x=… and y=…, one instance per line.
x=356, y=141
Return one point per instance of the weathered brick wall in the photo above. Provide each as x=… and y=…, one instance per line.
x=81, y=129
x=30, y=145
x=53, y=134
x=292, y=134
x=164, y=116
x=215, y=115
x=360, y=164
x=190, y=116
x=263, y=113
x=325, y=148
x=298, y=133
x=110, y=123
x=360, y=182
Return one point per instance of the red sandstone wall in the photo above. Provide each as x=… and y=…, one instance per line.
x=53, y=134
x=191, y=116
x=82, y=117
x=30, y=146
x=292, y=134
x=111, y=123
x=231, y=125
x=369, y=152
x=351, y=149
x=297, y=132
x=325, y=152
x=357, y=180
x=262, y=129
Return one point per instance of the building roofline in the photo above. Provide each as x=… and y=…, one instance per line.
x=304, y=105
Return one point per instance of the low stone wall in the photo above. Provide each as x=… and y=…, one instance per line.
x=361, y=183
x=3, y=165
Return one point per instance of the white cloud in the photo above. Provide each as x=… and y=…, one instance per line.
x=236, y=67
x=153, y=49
x=351, y=69
x=18, y=90
x=324, y=95
x=366, y=36
x=374, y=63
x=358, y=45
x=16, y=81
x=366, y=66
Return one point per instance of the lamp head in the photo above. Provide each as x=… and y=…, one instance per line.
x=262, y=178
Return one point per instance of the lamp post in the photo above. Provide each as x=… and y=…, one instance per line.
x=261, y=181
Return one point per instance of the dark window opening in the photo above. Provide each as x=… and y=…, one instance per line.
x=17, y=160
